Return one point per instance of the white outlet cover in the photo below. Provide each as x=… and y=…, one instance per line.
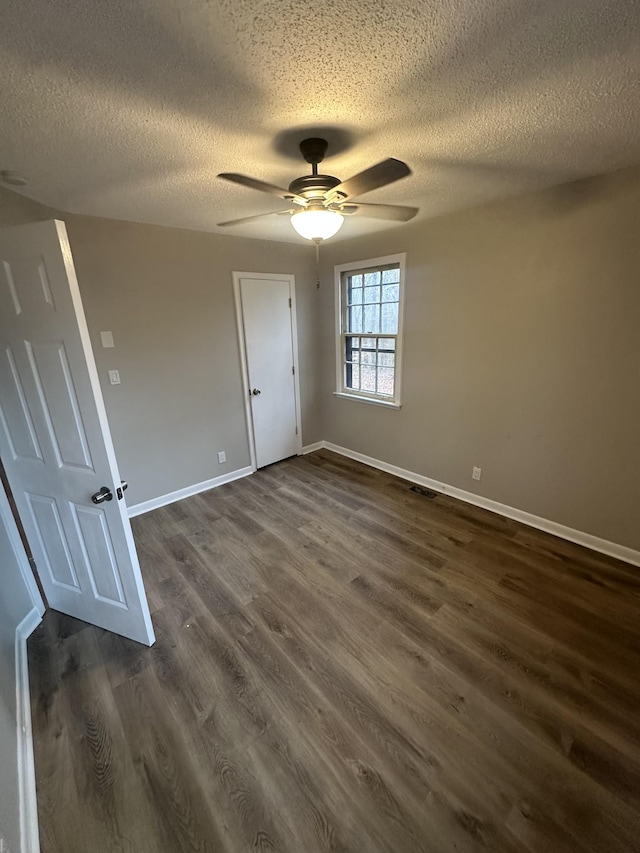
x=222, y=457
x=477, y=473
x=114, y=377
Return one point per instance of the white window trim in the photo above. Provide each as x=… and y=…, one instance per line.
x=340, y=391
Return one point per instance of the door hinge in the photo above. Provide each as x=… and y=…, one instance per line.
x=293, y=369
x=289, y=302
x=296, y=430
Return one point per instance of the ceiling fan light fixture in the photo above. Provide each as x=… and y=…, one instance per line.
x=317, y=223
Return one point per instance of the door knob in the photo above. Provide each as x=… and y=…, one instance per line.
x=103, y=495
x=256, y=392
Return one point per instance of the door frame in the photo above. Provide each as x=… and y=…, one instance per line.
x=244, y=369
x=21, y=555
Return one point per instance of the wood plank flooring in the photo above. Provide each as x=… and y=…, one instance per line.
x=343, y=664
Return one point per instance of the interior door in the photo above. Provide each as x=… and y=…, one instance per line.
x=269, y=346
x=55, y=442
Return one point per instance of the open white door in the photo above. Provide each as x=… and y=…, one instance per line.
x=266, y=306
x=55, y=441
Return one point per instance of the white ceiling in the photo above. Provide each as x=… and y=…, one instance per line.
x=129, y=108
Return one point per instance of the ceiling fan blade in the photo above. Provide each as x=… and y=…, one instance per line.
x=393, y=212
x=377, y=176
x=262, y=186
x=252, y=218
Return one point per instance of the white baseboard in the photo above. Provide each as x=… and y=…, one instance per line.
x=172, y=497
x=29, y=835
x=310, y=448
x=594, y=543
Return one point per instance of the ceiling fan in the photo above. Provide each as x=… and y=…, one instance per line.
x=322, y=200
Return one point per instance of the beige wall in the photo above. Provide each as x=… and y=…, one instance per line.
x=522, y=355
x=167, y=296
x=17, y=210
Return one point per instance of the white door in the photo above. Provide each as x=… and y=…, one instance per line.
x=55, y=441
x=267, y=312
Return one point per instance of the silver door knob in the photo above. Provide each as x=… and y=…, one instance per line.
x=256, y=392
x=103, y=495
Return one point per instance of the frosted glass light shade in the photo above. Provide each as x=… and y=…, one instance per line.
x=317, y=224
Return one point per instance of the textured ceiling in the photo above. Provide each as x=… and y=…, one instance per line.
x=129, y=108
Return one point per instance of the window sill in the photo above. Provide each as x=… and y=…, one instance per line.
x=371, y=400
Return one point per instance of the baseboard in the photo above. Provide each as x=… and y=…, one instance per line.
x=594, y=543
x=172, y=497
x=310, y=448
x=29, y=835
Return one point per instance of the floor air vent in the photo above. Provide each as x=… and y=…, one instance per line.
x=426, y=493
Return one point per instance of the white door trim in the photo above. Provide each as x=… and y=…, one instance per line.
x=20, y=554
x=29, y=834
x=237, y=276
x=24, y=740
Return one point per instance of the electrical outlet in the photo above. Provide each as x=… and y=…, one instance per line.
x=222, y=457
x=477, y=473
x=114, y=377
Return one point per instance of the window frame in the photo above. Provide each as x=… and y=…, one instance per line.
x=340, y=319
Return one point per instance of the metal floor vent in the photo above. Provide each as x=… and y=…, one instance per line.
x=426, y=493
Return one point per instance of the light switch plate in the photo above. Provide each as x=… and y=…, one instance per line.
x=107, y=339
x=114, y=377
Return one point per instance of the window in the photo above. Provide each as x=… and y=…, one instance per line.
x=369, y=309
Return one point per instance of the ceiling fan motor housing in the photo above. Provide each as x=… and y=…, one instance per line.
x=313, y=186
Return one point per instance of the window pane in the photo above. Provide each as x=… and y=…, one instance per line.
x=372, y=294
x=372, y=278
x=389, y=317
x=391, y=276
x=386, y=359
x=387, y=343
x=369, y=357
x=353, y=377
x=368, y=379
x=372, y=319
x=351, y=349
x=368, y=343
x=390, y=292
x=355, y=297
x=354, y=321
x=355, y=280
x=385, y=381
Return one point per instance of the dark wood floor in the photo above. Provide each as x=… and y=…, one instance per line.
x=343, y=664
